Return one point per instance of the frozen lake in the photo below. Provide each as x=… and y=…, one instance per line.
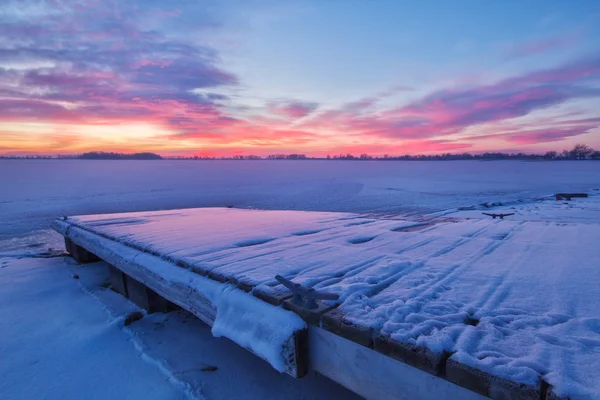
x=34, y=192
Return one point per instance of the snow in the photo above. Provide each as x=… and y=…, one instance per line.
x=529, y=281
x=63, y=338
x=255, y=325
x=56, y=342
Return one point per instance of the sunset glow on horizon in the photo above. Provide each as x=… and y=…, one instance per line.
x=262, y=77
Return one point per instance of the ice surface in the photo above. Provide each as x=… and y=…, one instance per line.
x=58, y=341
x=34, y=192
x=527, y=283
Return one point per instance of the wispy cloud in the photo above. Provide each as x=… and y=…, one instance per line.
x=450, y=111
x=544, y=45
x=93, y=62
x=293, y=109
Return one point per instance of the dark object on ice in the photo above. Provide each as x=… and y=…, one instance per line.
x=471, y=321
x=501, y=216
x=75, y=276
x=209, y=368
x=569, y=196
x=132, y=317
x=305, y=297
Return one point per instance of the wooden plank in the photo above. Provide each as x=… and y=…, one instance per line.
x=334, y=322
x=274, y=295
x=81, y=255
x=146, y=298
x=117, y=280
x=419, y=357
x=374, y=375
x=126, y=259
x=311, y=316
x=489, y=385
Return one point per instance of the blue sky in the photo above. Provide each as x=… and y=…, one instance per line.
x=242, y=77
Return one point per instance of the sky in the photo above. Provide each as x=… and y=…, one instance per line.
x=218, y=78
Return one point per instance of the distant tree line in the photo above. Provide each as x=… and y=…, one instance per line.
x=100, y=155
x=579, y=152
x=26, y=157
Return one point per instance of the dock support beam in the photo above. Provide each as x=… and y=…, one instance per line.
x=146, y=298
x=81, y=255
x=117, y=281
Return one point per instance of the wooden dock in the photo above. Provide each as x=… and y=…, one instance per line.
x=377, y=265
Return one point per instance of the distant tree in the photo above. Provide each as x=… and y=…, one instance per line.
x=297, y=156
x=595, y=155
x=551, y=155
x=581, y=152
x=100, y=155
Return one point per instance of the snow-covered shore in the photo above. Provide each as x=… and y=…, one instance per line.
x=64, y=338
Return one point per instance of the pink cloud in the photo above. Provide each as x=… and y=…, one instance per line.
x=544, y=45
x=447, y=112
x=548, y=135
x=293, y=109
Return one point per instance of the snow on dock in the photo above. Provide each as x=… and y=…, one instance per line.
x=504, y=307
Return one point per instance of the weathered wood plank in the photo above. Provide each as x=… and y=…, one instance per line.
x=334, y=321
x=273, y=295
x=81, y=255
x=117, y=280
x=411, y=354
x=311, y=316
x=146, y=298
x=374, y=375
x=489, y=385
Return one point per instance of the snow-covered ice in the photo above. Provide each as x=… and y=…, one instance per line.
x=56, y=342
x=529, y=282
x=34, y=192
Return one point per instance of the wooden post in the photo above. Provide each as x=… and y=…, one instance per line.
x=117, y=281
x=146, y=298
x=81, y=255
